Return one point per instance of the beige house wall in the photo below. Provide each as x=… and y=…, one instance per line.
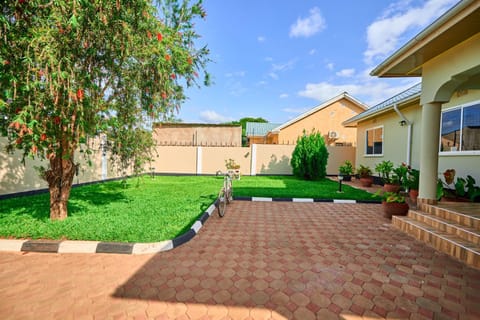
x=395, y=139
x=268, y=159
x=16, y=177
x=201, y=135
x=213, y=159
x=324, y=120
x=446, y=66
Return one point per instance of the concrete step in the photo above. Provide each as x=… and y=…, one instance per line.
x=448, y=226
x=451, y=244
x=464, y=214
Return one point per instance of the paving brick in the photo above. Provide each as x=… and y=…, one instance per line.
x=261, y=259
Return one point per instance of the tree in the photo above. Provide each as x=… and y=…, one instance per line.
x=72, y=69
x=310, y=157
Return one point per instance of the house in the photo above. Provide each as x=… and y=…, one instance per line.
x=258, y=132
x=197, y=134
x=326, y=118
x=434, y=125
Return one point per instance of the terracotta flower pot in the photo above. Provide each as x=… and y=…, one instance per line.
x=413, y=193
x=394, y=209
x=387, y=187
x=366, y=181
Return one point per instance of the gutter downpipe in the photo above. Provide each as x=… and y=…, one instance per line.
x=409, y=133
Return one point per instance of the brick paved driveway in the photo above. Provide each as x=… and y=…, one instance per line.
x=263, y=260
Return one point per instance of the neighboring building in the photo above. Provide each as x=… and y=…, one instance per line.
x=326, y=118
x=258, y=132
x=440, y=118
x=198, y=134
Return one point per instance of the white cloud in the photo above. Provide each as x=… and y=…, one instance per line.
x=284, y=66
x=283, y=96
x=312, y=52
x=374, y=90
x=346, y=73
x=211, y=116
x=330, y=66
x=261, y=39
x=307, y=27
x=268, y=59
x=385, y=34
x=273, y=75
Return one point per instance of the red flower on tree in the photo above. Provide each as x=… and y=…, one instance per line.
x=167, y=57
x=43, y=137
x=80, y=94
x=159, y=36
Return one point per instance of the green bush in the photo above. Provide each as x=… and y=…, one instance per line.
x=309, y=159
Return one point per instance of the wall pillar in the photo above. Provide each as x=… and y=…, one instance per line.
x=429, y=141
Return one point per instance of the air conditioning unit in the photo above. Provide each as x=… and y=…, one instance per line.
x=333, y=134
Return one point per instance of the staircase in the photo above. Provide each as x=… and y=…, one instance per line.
x=453, y=228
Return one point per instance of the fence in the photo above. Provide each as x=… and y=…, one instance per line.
x=258, y=159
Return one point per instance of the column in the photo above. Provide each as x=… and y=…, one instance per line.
x=429, y=142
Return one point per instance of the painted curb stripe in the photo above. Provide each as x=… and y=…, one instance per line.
x=114, y=247
x=261, y=199
x=41, y=246
x=343, y=201
x=187, y=236
x=302, y=200
x=78, y=246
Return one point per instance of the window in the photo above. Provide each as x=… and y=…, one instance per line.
x=460, y=129
x=374, y=141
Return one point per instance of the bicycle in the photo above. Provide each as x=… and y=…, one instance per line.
x=225, y=196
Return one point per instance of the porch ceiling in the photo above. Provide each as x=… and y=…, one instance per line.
x=454, y=27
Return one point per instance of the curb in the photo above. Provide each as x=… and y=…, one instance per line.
x=73, y=246
x=81, y=246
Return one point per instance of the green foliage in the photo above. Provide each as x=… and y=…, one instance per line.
x=413, y=180
x=390, y=197
x=309, y=159
x=158, y=209
x=364, y=171
x=71, y=69
x=385, y=168
x=346, y=169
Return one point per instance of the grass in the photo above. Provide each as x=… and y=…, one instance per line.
x=291, y=187
x=154, y=210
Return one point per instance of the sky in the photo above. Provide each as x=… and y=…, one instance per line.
x=276, y=59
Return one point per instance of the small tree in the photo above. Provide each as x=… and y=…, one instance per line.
x=74, y=69
x=309, y=159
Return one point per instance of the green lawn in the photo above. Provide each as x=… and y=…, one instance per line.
x=157, y=209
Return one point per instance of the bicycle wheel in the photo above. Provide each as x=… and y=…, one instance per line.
x=222, y=204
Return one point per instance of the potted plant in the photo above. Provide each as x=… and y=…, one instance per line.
x=233, y=168
x=346, y=170
x=365, y=174
x=393, y=204
x=390, y=180
x=412, y=183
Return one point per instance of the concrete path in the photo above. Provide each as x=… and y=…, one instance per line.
x=275, y=260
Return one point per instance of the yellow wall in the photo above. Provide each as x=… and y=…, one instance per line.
x=324, y=120
x=183, y=135
x=394, y=138
x=445, y=66
x=269, y=159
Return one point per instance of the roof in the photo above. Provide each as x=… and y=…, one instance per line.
x=455, y=26
x=343, y=95
x=401, y=98
x=259, y=128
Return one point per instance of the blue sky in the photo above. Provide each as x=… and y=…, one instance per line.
x=278, y=58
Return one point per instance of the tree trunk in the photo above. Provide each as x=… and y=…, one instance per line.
x=60, y=177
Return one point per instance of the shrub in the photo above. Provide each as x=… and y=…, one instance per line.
x=309, y=159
